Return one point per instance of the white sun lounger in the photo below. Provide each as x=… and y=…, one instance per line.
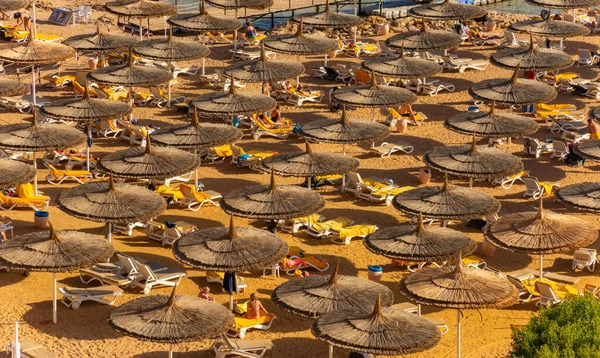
x=149, y=278
x=225, y=346
x=32, y=349
x=73, y=297
x=386, y=149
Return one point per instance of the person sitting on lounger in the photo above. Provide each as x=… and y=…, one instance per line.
x=593, y=129
x=205, y=294
x=255, y=308
x=277, y=125
x=250, y=30
x=407, y=112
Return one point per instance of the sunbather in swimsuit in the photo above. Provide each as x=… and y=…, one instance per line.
x=250, y=30
x=278, y=125
x=255, y=308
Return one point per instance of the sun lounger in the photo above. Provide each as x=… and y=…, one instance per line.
x=149, y=278
x=434, y=89
x=517, y=281
x=537, y=189
x=32, y=349
x=217, y=155
x=556, y=107
x=213, y=276
x=167, y=235
x=585, y=258
x=535, y=147
x=395, y=116
x=242, y=324
x=575, y=135
x=249, y=159
x=474, y=261
x=585, y=57
x=464, y=64
x=57, y=176
x=412, y=308
x=243, y=55
x=548, y=296
x=61, y=81
x=127, y=229
x=294, y=225
x=38, y=202
x=161, y=99
x=326, y=228
x=386, y=149
x=260, y=129
x=300, y=263
x=194, y=199
x=225, y=346
x=345, y=235
x=105, y=277
x=297, y=98
x=332, y=74
x=564, y=125
x=73, y=297
x=185, y=70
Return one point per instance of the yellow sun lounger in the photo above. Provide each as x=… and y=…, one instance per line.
x=474, y=261
x=260, y=129
x=294, y=225
x=561, y=290
x=555, y=107
x=346, y=234
x=218, y=154
x=194, y=199
x=242, y=324
x=57, y=176
x=295, y=251
x=38, y=202
x=328, y=227
x=25, y=191
x=300, y=263
x=169, y=192
x=61, y=81
x=78, y=88
x=395, y=116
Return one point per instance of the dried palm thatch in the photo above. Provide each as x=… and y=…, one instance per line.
x=344, y=131
x=402, y=67
x=273, y=202
x=447, y=10
x=12, y=5
x=171, y=49
x=373, y=95
x=540, y=232
x=300, y=43
x=196, y=135
x=233, y=102
x=55, y=251
x=140, y=8
x=419, y=243
x=307, y=164
x=424, y=40
x=10, y=87
x=383, y=331
x=264, y=70
x=99, y=41
x=446, y=202
x=85, y=109
x=149, y=162
x=532, y=58
x=550, y=28
x=583, y=196
x=33, y=137
x=329, y=19
x=595, y=113
x=313, y=296
x=202, y=21
x=564, y=4
x=35, y=52
x=230, y=250
x=130, y=75
x=512, y=90
x=111, y=203
x=589, y=149
x=473, y=161
x=458, y=287
x=492, y=124
x=239, y=4
x=171, y=319
x=13, y=173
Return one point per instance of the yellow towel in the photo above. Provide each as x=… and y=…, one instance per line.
x=214, y=274
x=223, y=151
x=518, y=175
x=34, y=200
x=261, y=154
x=362, y=76
x=549, y=113
x=472, y=260
x=295, y=251
x=559, y=289
x=329, y=177
x=25, y=190
x=548, y=187
x=61, y=79
x=595, y=135
x=357, y=230
x=394, y=191
x=375, y=184
x=564, y=75
x=554, y=107
x=243, y=322
x=314, y=217
x=335, y=224
x=168, y=191
x=315, y=261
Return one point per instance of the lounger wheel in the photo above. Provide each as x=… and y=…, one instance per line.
x=75, y=305
x=242, y=333
x=256, y=136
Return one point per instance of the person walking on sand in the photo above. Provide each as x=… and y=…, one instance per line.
x=23, y=18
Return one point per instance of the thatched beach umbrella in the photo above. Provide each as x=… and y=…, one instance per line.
x=111, y=203
x=308, y=163
x=540, y=232
x=383, y=330
x=333, y=20
x=583, y=196
x=458, y=287
x=202, y=21
x=33, y=137
x=373, y=96
x=550, y=28
x=446, y=202
x=140, y=9
x=54, y=251
x=424, y=39
x=344, y=131
x=130, y=75
x=240, y=4
x=564, y=4
x=473, y=162
x=13, y=173
x=230, y=249
x=589, y=149
x=532, y=58
x=264, y=70
x=171, y=319
x=447, y=10
x=419, y=243
x=10, y=87
x=491, y=124
x=314, y=296
x=512, y=90
x=272, y=202
x=149, y=162
x=402, y=67
x=594, y=113
x=12, y=5
x=99, y=41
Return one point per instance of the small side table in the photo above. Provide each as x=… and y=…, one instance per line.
x=5, y=228
x=274, y=271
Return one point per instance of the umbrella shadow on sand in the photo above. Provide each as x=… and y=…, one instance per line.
x=305, y=347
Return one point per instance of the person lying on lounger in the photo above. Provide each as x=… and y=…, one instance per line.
x=475, y=33
x=277, y=125
x=205, y=294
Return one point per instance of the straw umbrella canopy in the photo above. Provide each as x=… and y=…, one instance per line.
x=308, y=164
x=111, y=203
x=419, y=243
x=589, y=149
x=273, y=202
x=300, y=43
x=424, y=39
x=446, y=202
x=140, y=8
x=35, y=52
x=329, y=19
x=512, y=90
x=238, y=4
x=149, y=162
x=373, y=95
x=492, y=124
x=402, y=67
x=54, y=251
x=13, y=173
x=550, y=28
x=458, y=287
x=264, y=70
x=10, y=87
x=532, y=58
x=170, y=49
x=202, y=21
x=472, y=161
x=130, y=75
x=447, y=10
x=595, y=113
x=313, y=296
x=99, y=41
x=583, y=196
x=564, y=4
x=233, y=102
x=344, y=131
x=540, y=232
x=12, y=5
x=381, y=331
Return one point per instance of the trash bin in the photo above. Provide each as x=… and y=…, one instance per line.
x=375, y=273
x=40, y=219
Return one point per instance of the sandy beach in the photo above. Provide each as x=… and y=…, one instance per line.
x=485, y=333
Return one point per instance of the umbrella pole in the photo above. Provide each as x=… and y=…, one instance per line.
x=325, y=63
x=34, y=20
x=344, y=148
x=355, y=12
x=298, y=77
x=203, y=65
x=16, y=345
x=33, y=100
x=196, y=170
x=355, y=34
x=54, y=308
x=470, y=183
x=235, y=33
x=330, y=351
x=541, y=267
x=35, y=186
x=87, y=150
x=419, y=309
x=231, y=301
x=458, y=334
x=109, y=232
x=141, y=35
x=170, y=350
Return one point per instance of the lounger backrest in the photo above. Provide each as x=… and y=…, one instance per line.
x=237, y=151
x=187, y=191
x=155, y=92
x=546, y=291
x=559, y=146
x=330, y=71
x=516, y=283
x=531, y=183
x=354, y=179
x=146, y=272
x=127, y=264
x=584, y=53
x=509, y=36
x=583, y=255
x=230, y=344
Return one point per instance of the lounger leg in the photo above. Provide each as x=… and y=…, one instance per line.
x=330, y=351
x=54, y=308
